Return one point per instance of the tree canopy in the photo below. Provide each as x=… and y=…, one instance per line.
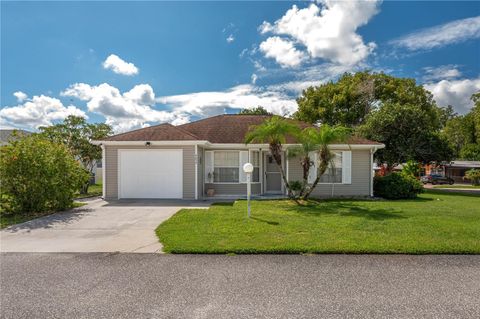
x=463, y=132
x=351, y=99
x=259, y=110
x=76, y=134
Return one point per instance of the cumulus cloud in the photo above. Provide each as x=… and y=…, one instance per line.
x=132, y=109
x=20, y=96
x=119, y=66
x=283, y=51
x=455, y=92
x=230, y=38
x=254, y=78
x=203, y=104
x=38, y=111
x=441, y=35
x=328, y=32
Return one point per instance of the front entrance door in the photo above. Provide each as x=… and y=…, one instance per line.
x=273, y=178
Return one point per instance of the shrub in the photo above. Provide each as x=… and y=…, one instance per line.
x=474, y=176
x=397, y=186
x=38, y=175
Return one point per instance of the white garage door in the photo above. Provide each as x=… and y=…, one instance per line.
x=150, y=173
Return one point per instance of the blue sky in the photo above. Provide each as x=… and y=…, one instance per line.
x=138, y=64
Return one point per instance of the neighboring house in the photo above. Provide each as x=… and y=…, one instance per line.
x=207, y=156
x=6, y=136
x=457, y=169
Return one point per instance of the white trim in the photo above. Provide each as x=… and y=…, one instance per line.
x=229, y=145
x=265, y=146
x=196, y=172
x=152, y=143
x=346, y=167
x=104, y=181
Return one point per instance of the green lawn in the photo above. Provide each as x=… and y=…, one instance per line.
x=9, y=219
x=433, y=223
x=457, y=186
x=93, y=190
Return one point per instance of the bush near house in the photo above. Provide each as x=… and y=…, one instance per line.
x=38, y=176
x=474, y=176
x=397, y=186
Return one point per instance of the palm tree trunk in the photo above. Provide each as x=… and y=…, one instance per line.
x=306, y=164
x=320, y=171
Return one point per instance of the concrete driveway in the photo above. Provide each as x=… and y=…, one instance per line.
x=124, y=226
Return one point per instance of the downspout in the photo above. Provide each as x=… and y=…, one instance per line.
x=196, y=172
x=372, y=174
x=104, y=181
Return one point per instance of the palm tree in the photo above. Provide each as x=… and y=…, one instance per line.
x=308, y=144
x=323, y=137
x=274, y=132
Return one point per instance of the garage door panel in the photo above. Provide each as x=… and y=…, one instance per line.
x=151, y=173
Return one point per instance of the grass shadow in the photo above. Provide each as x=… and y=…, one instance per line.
x=346, y=209
x=265, y=221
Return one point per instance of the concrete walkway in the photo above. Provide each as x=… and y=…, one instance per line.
x=100, y=226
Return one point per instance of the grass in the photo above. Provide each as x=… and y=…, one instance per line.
x=7, y=219
x=93, y=190
x=434, y=223
x=457, y=186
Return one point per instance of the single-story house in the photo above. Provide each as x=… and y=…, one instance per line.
x=204, y=157
x=457, y=169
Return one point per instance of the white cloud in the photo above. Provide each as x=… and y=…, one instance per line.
x=441, y=72
x=254, y=78
x=441, y=35
x=132, y=109
x=39, y=111
x=119, y=66
x=230, y=38
x=328, y=32
x=205, y=104
x=455, y=92
x=20, y=96
x=283, y=51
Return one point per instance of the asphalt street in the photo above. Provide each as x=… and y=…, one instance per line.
x=115, y=285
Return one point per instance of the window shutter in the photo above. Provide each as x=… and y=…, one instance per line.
x=209, y=166
x=312, y=173
x=243, y=160
x=346, y=167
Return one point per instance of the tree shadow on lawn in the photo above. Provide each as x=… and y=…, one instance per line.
x=346, y=209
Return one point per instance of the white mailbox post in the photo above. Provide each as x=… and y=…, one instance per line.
x=248, y=169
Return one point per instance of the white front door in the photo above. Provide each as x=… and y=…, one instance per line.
x=150, y=173
x=273, y=178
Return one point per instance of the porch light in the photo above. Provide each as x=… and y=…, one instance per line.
x=248, y=169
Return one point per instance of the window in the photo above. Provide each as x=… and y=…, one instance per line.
x=255, y=160
x=333, y=174
x=226, y=167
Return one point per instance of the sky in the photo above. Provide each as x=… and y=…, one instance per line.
x=136, y=64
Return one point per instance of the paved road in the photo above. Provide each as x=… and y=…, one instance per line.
x=104, y=285
x=100, y=226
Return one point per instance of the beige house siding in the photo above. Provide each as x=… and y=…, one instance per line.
x=361, y=177
x=232, y=189
x=111, y=169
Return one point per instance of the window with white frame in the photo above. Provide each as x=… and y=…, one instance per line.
x=255, y=160
x=226, y=167
x=333, y=174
